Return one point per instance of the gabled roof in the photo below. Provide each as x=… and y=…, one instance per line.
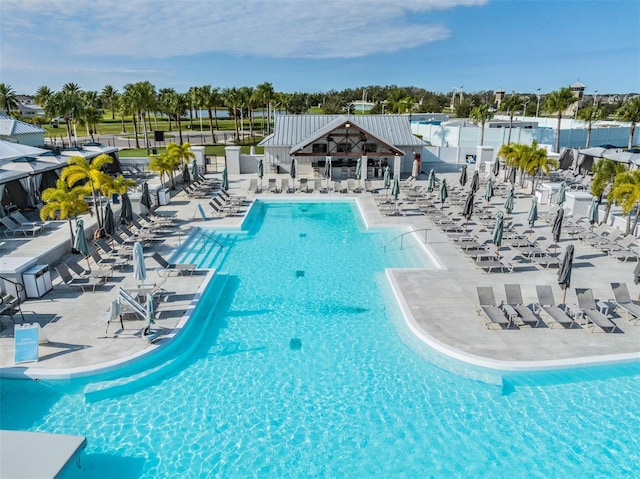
x=291, y=130
x=10, y=126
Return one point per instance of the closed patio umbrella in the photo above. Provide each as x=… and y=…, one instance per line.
x=415, y=171
x=592, y=214
x=395, y=189
x=431, y=182
x=508, y=204
x=496, y=168
x=443, y=194
x=467, y=210
x=488, y=192
x=561, y=198
x=293, y=171
x=145, y=199
x=636, y=275
x=194, y=170
x=359, y=169
x=109, y=223
x=186, y=177
x=564, y=273
x=512, y=175
x=533, y=212
x=80, y=244
x=260, y=171
x=139, y=268
x=126, y=211
x=475, y=181
x=498, y=229
x=327, y=169
x=225, y=180
x=463, y=175
x=387, y=178
x=557, y=226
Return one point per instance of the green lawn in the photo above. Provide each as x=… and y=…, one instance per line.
x=209, y=150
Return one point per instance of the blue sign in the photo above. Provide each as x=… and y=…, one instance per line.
x=204, y=216
x=26, y=343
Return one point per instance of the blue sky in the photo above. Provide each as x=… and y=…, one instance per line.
x=322, y=45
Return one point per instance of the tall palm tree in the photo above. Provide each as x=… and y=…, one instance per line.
x=81, y=170
x=233, y=100
x=510, y=104
x=163, y=163
x=178, y=103
x=8, y=98
x=557, y=102
x=66, y=103
x=63, y=203
x=129, y=106
x=626, y=193
x=266, y=94
x=630, y=111
x=110, y=97
x=42, y=95
x=145, y=100
x=181, y=152
x=590, y=114
x=481, y=114
x=534, y=161
x=163, y=103
x=210, y=100
x=604, y=175
x=406, y=105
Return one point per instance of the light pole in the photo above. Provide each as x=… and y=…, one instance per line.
x=453, y=96
x=383, y=103
x=538, y=96
x=595, y=99
x=524, y=110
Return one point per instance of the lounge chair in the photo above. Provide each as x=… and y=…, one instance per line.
x=82, y=283
x=368, y=186
x=8, y=305
x=547, y=304
x=138, y=235
x=112, y=263
x=284, y=186
x=589, y=309
x=100, y=274
x=492, y=312
x=317, y=186
x=253, y=186
x=23, y=221
x=624, y=302
x=227, y=209
x=494, y=264
x=513, y=294
x=624, y=255
x=273, y=187
x=108, y=250
x=171, y=268
x=15, y=228
x=352, y=187
x=304, y=185
x=232, y=200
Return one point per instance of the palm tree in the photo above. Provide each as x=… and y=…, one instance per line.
x=626, y=193
x=80, y=169
x=406, y=105
x=110, y=96
x=66, y=103
x=557, y=102
x=604, y=175
x=178, y=103
x=63, y=203
x=266, y=94
x=510, y=105
x=118, y=185
x=145, y=97
x=42, y=95
x=535, y=161
x=163, y=102
x=129, y=106
x=182, y=153
x=481, y=114
x=510, y=155
x=590, y=114
x=233, y=100
x=8, y=98
x=630, y=111
x=164, y=163
x=210, y=100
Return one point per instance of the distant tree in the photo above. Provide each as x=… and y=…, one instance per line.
x=630, y=111
x=211, y=100
x=110, y=97
x=481, y=114
x=233, y=100
x=510, y=104
x=557, y=102
x=265, y=94
x=42, y=95
x=590, y=114
x=8, y=98
x=604, y=174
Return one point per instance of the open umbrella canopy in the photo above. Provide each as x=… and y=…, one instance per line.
x=139, y=268
x=109, y=223
x=488, y=192
x=359, y=168
x=145, y=199
x=533, y=212
x=260, y=168
x=564, y=272
x=498, y=230
x=225, y=180
x=431, y=182
x=467, y=210
x=387, y=177
x=395, y=189
x=561, y=198
x=126, y=211
x=557, y=226
x=496, y=167
x=475, y=181
x=463, y=175
x=443, y=194
x=80, y=244
x=508, y=204
x=592, y=214
x=186, y=177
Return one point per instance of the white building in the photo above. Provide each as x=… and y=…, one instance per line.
x=20, y=132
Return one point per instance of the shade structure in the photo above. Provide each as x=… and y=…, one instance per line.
x=592, y=214
x=225, y=180
x=145, y=199
x=498, y=230
x=561, y=197
x=80, y=243
x=415, y=169
x=387, y=177
x=431, y=182
x=508, y=204
x=475, y=181
x=496, y=167
x=564, y=272
x=467, y=210
x=186, y=176
x=557, y=226
x=512, y=175
x=488, y=191
x=359, y=168
x=533, y=212
x=126, y=211
x=109, y=224
x=327, y=169
x=395, y=189
x=195, y=170
x=139, y=268
x=463, y=175
x=443, y=193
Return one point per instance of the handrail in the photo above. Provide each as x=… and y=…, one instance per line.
x=19, y=289
x=401, y=236
x=14, y=283
x=212, y=239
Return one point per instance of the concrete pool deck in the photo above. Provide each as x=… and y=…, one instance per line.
x=439, y=304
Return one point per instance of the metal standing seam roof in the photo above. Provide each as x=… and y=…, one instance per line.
x=10, y=126
x=293, y=129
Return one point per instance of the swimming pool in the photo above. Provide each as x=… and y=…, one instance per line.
x=361, y=397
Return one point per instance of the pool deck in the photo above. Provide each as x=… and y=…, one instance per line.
x=439, y=305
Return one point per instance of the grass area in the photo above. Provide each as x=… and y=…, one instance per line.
x=209, y=150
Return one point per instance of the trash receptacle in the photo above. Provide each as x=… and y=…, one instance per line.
x=164, y=197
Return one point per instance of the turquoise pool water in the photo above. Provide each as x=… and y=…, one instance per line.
x=360, y=398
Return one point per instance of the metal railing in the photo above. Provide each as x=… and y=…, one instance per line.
x=212, y=239
x=19, y=289
x=401, y=236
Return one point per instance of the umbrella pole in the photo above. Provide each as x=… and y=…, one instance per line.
x=564, y=295
x=88, y=266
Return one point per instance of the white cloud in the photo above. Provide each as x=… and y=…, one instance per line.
x=276, y=28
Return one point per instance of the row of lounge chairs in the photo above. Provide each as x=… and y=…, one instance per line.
x=306, y=186
x=16, y=223
x=589, y=312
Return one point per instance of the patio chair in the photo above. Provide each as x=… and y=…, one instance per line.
x=100, y=274
x=69, y=280
x=318, y=187
x=624, y=302
x=513, y=294
x=304, y=185
x=227, y=209
x=493, y=314
x=625, y=255
x=253, y=186
x=138, y=235
x=547, y=304
x=14, y=228
x=104, y=246
x=494, y=264
x=108, y=262
x=338, y=187
x=173, y=268
x=19, y=218
x=284, y=186
x=233, y=199
x=8, y=305
x=273, y=186
x=589, y=309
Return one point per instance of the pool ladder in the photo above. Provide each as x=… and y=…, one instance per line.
x=401, y=236
x=212, y=239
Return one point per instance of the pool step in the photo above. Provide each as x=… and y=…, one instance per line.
x=165, y=360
